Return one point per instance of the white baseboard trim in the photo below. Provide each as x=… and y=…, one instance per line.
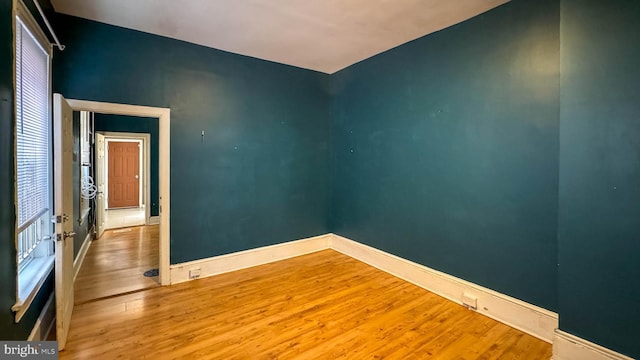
x=518, y=314
x=77, y=262
x=570, y=347
x=248, y=258
x=45, y=322
x=154, y=220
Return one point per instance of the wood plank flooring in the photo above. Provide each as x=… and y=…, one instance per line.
x=116, y=262
x=323, y=305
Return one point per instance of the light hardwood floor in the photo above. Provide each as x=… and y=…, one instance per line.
x=116, y=262
x=323, y=305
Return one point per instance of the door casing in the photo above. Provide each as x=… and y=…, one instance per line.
x=146, y=179
x=99, y=150
x=164, y=121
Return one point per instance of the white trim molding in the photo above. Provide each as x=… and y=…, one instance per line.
x=518, y=314
x=77, y=263
x=144, y=140
x=245, y=259
x=154, y=220
x=45, y=321
x=531, y=319
x=26, y=293
x=570, y=347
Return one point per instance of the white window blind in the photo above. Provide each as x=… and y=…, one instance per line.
x=35, y=256
x=32, y=127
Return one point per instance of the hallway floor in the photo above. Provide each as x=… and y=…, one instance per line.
x=115, y=264
x=118, y=218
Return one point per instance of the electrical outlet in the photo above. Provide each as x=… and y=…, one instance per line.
x=470, y=301
x=194, y=273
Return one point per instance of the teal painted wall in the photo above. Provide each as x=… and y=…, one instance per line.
x=261, y=174
x=599, y=223
x=9, y=330
x=135, y=124
x=445, y=150
x=473, y=150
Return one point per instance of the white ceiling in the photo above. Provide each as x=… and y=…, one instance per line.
x=322, y=35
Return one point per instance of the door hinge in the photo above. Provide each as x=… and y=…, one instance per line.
x=59, y=219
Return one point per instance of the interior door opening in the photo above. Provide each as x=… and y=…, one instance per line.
x=65, y=260
x=124, y=179
x=159, y=205
x=124, y=206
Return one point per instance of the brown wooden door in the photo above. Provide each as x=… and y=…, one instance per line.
x=124, y=171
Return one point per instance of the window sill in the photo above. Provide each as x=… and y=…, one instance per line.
x=30, y=281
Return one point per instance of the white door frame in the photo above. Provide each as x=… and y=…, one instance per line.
x=145, y=165
x=99, y=151
x=164, y=120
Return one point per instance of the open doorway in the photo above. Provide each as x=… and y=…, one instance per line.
x=125, y=178
x=162, y=118
x=124, y=257
x=68, y=258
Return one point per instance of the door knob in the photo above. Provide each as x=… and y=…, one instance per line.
x=69, y=234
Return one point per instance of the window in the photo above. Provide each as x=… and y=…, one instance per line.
x=33, y=158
